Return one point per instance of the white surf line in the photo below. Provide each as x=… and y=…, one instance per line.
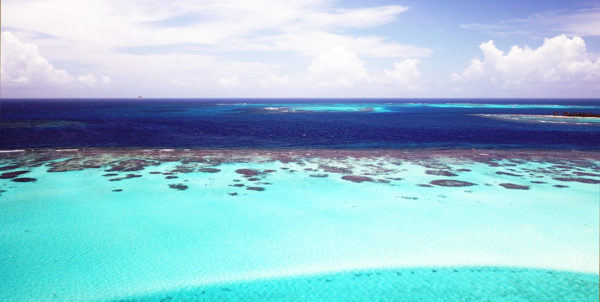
x=12, y=151
x=66, y=150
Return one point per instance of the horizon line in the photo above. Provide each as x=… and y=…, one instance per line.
x=300, y=98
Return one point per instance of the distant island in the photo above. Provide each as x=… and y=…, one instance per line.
x=576, y=114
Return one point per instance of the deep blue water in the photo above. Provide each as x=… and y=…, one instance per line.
x=243, y=123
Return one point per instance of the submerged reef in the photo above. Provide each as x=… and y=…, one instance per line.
x=451, y=183
x=555, y=168
x=166, y=218
x=514, y=186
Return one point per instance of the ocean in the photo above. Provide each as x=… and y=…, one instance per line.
x=299, y=200
x=293, y=123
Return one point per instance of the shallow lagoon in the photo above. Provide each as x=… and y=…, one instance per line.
x=150, y=224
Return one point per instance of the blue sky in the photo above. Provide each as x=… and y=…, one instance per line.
x=311, y=48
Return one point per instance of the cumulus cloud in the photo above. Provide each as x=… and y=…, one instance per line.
x=207, y=41
x=558, y=60
x=405, y=73
x=23, y=65
x=88, y=79
x=337, y=66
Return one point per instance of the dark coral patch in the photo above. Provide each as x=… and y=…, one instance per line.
x=179, y=187
x=586, y=174
x=117, y=190
x=9, y=167
x=110, y=174
x=331, y=169
x=171, y=177
x=463, y=170
x=319, y=175
x=14, y=174
x=451, y=183
x=23, y=179
x=268, y=171
x=425, y=185
x=125, y=177
x=560, y=186
x=155, y=172
x=237, y=185
x=537, y=182
x=579, y=179
x=514, y=186
x=209, y=170
x=356, y=178
x=253, y=178
x=247, y=172
x=184, y=169
x=129, y=165
x=233, y=193
x=440, y=173
x=255, y=188
x=75, y=164
x=409, y=197
x=508, y=173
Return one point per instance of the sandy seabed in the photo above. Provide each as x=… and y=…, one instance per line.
x=181, y=224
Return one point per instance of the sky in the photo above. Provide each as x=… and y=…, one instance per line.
x=299, y=49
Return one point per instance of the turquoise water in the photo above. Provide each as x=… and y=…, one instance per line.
x=378, y=107
x=69, y=236
x=544, y=119
x=500, y=106
x=360, y=107
x=423, y=284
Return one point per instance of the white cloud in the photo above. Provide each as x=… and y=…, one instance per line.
x=363, y=17
x=275, y=80
x=311, y=43
x=147, y=43
x=405, y=73
x=22, y=64
x=88, y=80
x=585, y=22
x=181, y=84
x=91, y=80
x=229, y=81
x=558, y=60
x=105, y=80
x=337, y=66
x=581, y=22
x=206, y=22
